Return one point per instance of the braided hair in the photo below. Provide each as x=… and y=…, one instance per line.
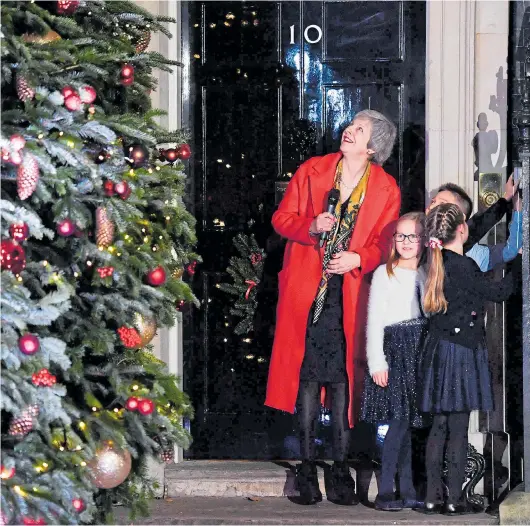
x=441, y=227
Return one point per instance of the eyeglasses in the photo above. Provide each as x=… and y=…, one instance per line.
x=413, y=238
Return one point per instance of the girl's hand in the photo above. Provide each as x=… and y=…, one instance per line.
x=380, y=378
x=322, y=223
x=344, y=262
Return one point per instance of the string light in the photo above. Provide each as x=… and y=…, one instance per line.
x=76, y=274
x=61, y=134
x=158, y=168
x=40, y=136
x=89, y=263
x=44, y=263
x=82, y=426
x=135, y=387
x=94, y=409
x=83, y=463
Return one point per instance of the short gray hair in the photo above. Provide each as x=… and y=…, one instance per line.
x=383, y=134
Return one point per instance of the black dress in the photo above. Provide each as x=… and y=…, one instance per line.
x=454, y=373
x=325, y=344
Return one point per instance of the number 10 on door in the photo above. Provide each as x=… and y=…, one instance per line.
x=306, y=34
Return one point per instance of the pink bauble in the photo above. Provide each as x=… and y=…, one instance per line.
x=17, y=141
x=73, y=102
x=87, y=94
x=127, y=71
x=110, y=466
x=122, y=189
x=156, y=277
x=67, y=91
x=28, y=344
x=184, y=152
x=66, y=227
x=132, y=403
x=79, y=505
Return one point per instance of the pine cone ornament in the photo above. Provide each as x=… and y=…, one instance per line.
x=143, y=42
x=27, y=177
x=24, y=90
x=104, y=228
x=22, y=424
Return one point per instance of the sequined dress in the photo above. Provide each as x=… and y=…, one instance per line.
x=325, y=348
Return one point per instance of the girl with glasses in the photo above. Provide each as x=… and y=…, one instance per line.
x=395, y=332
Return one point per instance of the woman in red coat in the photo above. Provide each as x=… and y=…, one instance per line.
x=323, y=291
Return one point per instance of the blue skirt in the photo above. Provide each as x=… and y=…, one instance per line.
x=403, y=343
x=454, y=378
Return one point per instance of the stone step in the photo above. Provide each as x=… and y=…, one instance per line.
x=233, y=478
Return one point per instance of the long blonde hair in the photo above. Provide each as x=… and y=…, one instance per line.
x=418, y=218
x=441, y=225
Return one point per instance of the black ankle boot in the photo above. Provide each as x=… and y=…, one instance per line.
x=340, y=487
x=307, y=483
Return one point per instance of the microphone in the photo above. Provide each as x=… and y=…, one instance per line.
x=333, y=199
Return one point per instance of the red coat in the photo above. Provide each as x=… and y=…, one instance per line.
x=298, y=280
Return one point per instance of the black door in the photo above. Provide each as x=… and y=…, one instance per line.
x=271, y=84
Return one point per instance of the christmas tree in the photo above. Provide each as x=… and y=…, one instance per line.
x=246, y=270
x=95, y=237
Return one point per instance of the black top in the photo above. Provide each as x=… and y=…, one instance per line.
x=480, y=224
x=466, y=290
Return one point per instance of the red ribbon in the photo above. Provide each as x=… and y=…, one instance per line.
x=251, y=284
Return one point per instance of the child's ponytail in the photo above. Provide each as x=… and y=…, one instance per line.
x=441, y=225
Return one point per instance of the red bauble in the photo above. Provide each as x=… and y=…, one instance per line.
x=127, y=81
x=108, y=188
x=6, y=473
x=43, y=378
x=28, y=344
x=12, y=256
x=137, y=155
x=156, y=277
x=146, y=406
x=123, y=189
x=87, y=94
x=67, y=7
x=66, y=227
x=105, y=272
x=30, y=521
x=79, y=505
x=73, y=102
x=67, y=91
x=191, y=268
x=101, y=157
x=129, y=337
x=184, y=152
x=19, y=231
x=132, y=403
x=127, y=71
x=17, y=142
x=171, y=155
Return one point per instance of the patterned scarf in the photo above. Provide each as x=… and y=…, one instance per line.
x=341, y=235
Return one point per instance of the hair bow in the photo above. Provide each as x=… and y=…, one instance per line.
x=434, y=242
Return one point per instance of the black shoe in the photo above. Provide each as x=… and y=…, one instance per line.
x=340, y=487
x=306, y=482
x=429, y=508
x=388, y=503
x=461, y=509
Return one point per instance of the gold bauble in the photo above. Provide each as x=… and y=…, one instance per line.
x=110, y=466
x=50, y=36
x=177, y=273
x=146, y=327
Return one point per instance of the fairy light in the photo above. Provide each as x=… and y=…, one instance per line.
x=44, y=465
x=101, y=248
x=154, y=249
x=118, y=254
x=168, y=218
x=143, y=229
x=61, y=448
x=116, y=410
x=89, y=263
x=111, y=249
x=135, y=387
x=150, y=170
x=76, y=274
x=83, y=463
x=19, y=278
x=146, y=239
x=158, y=168
x=131, y=172
x=94, y=409
x=61, y=134
x=44, y=263
x=40, y=136
x=82, y=426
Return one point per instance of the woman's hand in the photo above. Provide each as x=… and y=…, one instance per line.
x=322, y=223
x=344, y=262
x=510, y=188
x=380, y=378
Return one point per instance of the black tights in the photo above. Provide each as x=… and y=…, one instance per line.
x=308, y=409
x=454, y=428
